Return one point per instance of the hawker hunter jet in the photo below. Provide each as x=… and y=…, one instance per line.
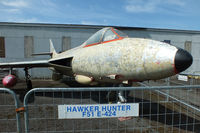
x=110, y=56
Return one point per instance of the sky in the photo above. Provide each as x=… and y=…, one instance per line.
x=166, y=14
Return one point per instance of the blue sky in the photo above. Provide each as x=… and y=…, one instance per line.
x=168, y=14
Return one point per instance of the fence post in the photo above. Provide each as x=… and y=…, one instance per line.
x=26, y=119
x=16, y=105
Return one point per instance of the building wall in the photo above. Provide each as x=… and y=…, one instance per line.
x=21, y=40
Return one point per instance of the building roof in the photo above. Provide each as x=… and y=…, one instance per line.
x=95, y=27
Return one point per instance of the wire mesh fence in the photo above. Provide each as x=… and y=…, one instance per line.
x=161, y=109
x=9, y=111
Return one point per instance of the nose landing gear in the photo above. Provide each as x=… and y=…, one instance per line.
x=119, y=96
x=116, y=96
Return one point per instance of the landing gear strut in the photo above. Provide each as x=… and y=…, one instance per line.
x=121, y=98
x=116, y=96
x=28, y=81
x=28, y=87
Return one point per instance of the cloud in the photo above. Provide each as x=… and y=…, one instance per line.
x=9, y=8
x=54, y=11
x=17, y=11
x=176, y=2
x=15, y=3
x=137, y=6
x=13, y=11
x=151, y=6
x=104, y=22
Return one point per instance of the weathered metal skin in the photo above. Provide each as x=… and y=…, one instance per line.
x=133, y=59
x=110, y=56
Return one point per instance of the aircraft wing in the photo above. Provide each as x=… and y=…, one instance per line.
x=23, y=64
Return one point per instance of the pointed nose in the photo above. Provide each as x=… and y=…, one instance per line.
x=183, y=60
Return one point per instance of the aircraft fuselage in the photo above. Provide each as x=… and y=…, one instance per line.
x=128, y=59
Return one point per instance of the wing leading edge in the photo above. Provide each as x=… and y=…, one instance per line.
x=23, y=64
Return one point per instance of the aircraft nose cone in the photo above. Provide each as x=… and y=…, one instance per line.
x=183, y=60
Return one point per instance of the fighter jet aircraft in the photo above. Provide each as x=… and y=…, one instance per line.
x=111, y=56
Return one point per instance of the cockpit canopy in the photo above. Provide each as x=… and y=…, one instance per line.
x=105, y=35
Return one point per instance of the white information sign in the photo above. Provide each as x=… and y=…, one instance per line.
x=98, y=111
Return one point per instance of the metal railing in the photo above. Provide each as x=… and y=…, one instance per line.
x=157, y=113
x=17, y=109
x=161, y=109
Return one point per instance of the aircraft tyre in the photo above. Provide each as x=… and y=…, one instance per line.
x=111, y=97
